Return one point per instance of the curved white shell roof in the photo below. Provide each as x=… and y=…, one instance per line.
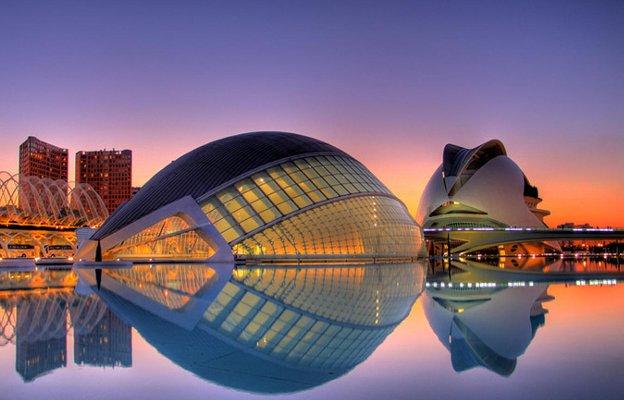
x=492, y=183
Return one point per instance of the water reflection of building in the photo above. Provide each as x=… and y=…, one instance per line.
x=539, y=269
x=108, y=344
x=34, y=359
x=35, y=280
x=487, y=327
x=269, y=330
x=41, y=336
x=36, y=322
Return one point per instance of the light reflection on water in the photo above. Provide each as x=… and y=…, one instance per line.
x=365, y=331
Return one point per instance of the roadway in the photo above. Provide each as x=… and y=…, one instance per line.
x=474, y=239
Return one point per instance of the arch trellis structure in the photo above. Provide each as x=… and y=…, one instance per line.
x=45, y=315
x=42, y=202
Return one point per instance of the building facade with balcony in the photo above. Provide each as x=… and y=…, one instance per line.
x=43, y=160
x=109, y=172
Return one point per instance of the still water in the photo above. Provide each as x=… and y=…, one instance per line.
x=323, y=332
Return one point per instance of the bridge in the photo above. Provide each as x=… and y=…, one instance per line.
x=474, y=239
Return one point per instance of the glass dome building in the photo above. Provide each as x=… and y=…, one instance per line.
x=260, y=195
x=265, y=330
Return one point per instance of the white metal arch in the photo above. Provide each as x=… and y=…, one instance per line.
x=30, y=200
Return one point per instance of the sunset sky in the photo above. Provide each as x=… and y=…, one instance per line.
x=388, y=82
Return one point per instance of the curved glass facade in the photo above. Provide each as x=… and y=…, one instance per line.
x=271, y=212
x=369, y=225
x=326, y=206
x=305, y=204
x=285, y=189
x=209, y=167
x=171, y=238
x=329, y=318
x=172, y=286
x=384, y=295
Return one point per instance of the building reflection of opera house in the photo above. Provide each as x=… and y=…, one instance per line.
x=489, y=327
x=266, y=329
x=539, y=269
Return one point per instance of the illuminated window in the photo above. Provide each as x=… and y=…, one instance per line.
x=354, y=226
x=171, y=237
x=282, y=190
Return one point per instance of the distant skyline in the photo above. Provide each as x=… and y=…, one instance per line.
x=390, y=83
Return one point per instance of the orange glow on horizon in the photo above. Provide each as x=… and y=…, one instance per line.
x=576, y=188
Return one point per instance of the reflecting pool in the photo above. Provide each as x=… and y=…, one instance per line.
x=407, y=331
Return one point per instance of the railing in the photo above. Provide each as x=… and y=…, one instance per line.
x=522, y=229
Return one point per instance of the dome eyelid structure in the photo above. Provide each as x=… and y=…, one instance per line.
x=258, y=195
x=211, y=166
x=256, y=170
x=458, y=161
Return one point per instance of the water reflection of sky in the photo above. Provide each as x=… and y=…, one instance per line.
x=564, y=339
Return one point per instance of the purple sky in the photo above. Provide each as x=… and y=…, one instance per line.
x=389, y=82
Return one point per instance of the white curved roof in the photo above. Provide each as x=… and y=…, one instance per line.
x=483, y=179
